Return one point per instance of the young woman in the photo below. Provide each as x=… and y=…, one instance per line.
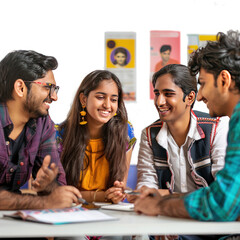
x=96, y=140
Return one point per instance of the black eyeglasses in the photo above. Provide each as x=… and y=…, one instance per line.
x=52, y=87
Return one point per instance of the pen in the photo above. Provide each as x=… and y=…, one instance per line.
x=169, y=187
x=131, y=192
x=83, y=201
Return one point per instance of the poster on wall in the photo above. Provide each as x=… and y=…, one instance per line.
x=164, y=50
x=195, y=41
x=120, y=60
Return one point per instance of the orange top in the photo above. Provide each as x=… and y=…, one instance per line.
x=96, y=175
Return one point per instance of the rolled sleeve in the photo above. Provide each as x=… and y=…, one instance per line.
x=131, y=137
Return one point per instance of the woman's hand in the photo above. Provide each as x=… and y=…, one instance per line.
x=115, y=193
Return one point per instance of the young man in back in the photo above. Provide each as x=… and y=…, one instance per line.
x=218, y=65
x=27, y=135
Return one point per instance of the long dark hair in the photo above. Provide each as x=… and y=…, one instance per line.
x=76, y=136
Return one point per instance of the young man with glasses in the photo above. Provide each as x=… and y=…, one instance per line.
x=27, y=135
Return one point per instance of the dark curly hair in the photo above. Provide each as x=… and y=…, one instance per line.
x=223, y=54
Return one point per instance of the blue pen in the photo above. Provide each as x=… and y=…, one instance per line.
x=83, y=201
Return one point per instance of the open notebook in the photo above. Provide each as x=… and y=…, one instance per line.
x=75, y=214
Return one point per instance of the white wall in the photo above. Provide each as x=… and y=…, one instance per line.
x=73, y=32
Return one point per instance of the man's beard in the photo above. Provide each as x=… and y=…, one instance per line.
x=32, y=106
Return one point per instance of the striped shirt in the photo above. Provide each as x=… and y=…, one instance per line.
x=221, y=200
x=39, y=141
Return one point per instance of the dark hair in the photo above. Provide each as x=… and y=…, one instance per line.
x=180, y=76
x=76, y=136
x=25, y=65
x=123, y=51
x=164, y=48
x=223, y=54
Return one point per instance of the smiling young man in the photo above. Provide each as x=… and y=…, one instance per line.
x=183, y=148
x=218, y=65
x=27, y=135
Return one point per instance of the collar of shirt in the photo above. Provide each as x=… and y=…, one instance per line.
x=7, y=122
x=194, y=133
x=4, y=116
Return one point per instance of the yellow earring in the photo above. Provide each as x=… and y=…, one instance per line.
x=83, y=114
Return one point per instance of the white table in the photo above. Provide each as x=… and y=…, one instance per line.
x=128, y=224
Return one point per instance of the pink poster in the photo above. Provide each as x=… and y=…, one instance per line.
x=165, y=49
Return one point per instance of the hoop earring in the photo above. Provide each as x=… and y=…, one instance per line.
x=83, y=114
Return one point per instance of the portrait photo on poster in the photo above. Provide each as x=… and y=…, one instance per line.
x=120, y=59
x=164, y=50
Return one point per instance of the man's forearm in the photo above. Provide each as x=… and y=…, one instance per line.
x=13, y=201
x=173, y=206
x=49, y=188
